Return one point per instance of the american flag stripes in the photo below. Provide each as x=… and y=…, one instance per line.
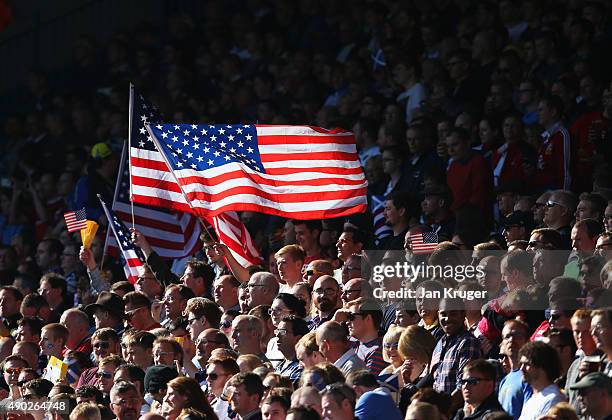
x=132, y=255
x=171, y=234
x=423, y=243
x=291, y=171
x=76, y=220
x=233, y=233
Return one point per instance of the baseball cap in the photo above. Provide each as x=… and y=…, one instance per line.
x=101, y=151
x=519, y=218
x=157, y=377
x=597, y=379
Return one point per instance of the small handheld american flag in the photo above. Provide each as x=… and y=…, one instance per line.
x=76, y=220
x=424, y=243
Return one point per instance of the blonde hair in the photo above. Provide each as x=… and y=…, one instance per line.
x=416, y=343
x=86, y=411
x=251, y=360
x=392, y=335
x=294, y=251
x=563, y=411
x=423, y=410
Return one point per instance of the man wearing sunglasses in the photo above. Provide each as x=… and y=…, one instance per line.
x=559, y=215
x=138, y=311
x=364, y=321
x=478, y=390
x=13, y=365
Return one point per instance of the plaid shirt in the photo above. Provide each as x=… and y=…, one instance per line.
x=449, y=358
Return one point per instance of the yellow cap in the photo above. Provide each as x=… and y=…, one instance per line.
x=101, y=151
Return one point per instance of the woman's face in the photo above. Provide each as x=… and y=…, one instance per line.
x=172, y=404
x=278, y=310
x=390, y=348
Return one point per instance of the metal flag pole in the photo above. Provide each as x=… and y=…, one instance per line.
x=131, y=112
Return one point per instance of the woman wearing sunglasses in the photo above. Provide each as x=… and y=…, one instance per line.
x=282, y=306
x=392, y=373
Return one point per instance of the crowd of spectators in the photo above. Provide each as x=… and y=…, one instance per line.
x=482, y=124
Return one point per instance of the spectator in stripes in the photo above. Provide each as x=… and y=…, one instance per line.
x=290, y=260
x=307, y=234
x=288, y=332
x=364, y=320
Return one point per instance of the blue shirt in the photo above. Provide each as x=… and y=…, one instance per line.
x=376, y=405
x=513, y=393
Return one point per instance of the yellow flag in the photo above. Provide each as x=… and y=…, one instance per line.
x=88, y=234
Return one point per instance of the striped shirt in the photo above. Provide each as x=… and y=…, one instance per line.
x=371, y=353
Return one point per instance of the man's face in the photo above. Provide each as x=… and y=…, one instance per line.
x=513, y=233
x=590, y=400
x=101, y=319
x=205, y=344
x=211, y=253
x=195, y=325
x=513, y=338
x=608, y=219
x=584, y=211
x=147, y=284
x=431, y=204
x=554, y=212
x=351, y=269
x=581, y=241
x=306, y=238
x=288, y=268
x=601, y=330
x=506, y=202
x=7, y=260
x=357, y=322
x=581, y=328
x=137, y=316
x=216, y=377
x=457, y=148
x=9, y=306
x=346, y=246
x=490, y=280
x=44, y=257
x=163, y=354
x=103, y=348
x=12, y=369
x=138, y=355
x=273, y=411
x=333, y=410
x=426, y=307
x=531, y=374
x=558, y=320
x=224, y=292
x=325, y=294
x=392, y=214
x=351, y=290
x=70, y=259
x=243, y=337
x=126, y=406
x=189, y=280
x=105, y=378
x=545, y=114
x=24, y=333
x=451, y=320
x=475, y=387
x=241, y=402
x=173, y=303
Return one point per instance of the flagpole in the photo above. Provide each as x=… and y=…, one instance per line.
x=163, y=155
x=131, y=112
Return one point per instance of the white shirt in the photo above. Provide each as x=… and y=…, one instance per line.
x=540, y=402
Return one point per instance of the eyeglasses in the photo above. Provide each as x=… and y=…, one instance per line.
x=192, y=320
x=273, y=311
x=10, y=371
x=312, y=272
x=204, y=342
x=250, y=286
x=226, y=324
x=551, y=204
x=390, y=346
x=347, y=291
x=353, y=315
x=101, y=345
x=472, y=381
x=213, y=376
x=130, y=314
x=105, y=375
x=324, y=292
x=554, y=317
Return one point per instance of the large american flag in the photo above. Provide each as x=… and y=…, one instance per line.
x=297, y=172
x=132, y=255
x=173, y=234
x=423, y=243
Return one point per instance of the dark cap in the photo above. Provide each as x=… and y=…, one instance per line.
x=108, y=301
x=596, y=379
x=519, y=218
x=157, y=377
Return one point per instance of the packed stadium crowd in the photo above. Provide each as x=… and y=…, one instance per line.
x=478, y=285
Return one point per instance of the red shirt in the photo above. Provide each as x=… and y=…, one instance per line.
x=589, y=127
x=471, y=182
x=510, y=159
x=554, y=157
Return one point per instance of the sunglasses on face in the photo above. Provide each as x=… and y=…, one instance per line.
x=551, y=204
x=472, y=381
x=390, y=346
x=554, y=317
x=212, y=376
x=226, y=324
x=353, y=315
x=105, y=375
x=10, y=371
